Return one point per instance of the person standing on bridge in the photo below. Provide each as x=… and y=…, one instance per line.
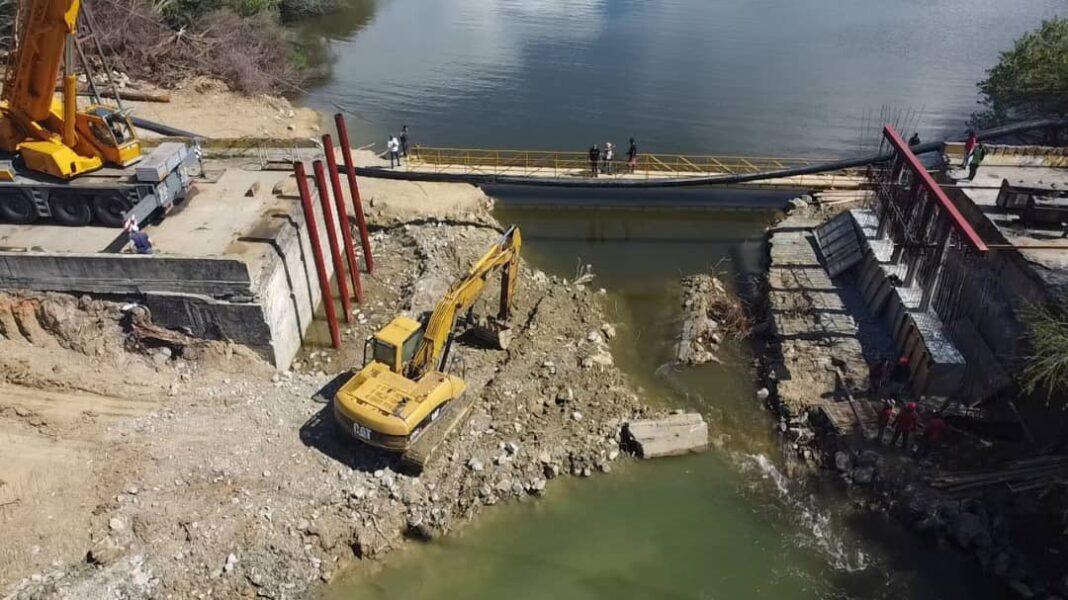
x=969, y=148
x=632, y=155
x=393, y=147
x=609, y=154
x=977, y=157
x=914, y=140
x=595, y=157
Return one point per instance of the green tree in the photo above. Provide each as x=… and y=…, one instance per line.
x=1031, y=79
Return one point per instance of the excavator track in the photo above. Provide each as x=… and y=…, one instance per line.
x=421, y=452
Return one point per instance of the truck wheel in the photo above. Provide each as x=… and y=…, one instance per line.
x=71, y=210
x=111, y=209
x=17, y=208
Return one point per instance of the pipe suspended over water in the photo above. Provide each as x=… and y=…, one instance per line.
x=838, y=165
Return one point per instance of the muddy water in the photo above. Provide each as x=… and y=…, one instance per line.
x=726, y=524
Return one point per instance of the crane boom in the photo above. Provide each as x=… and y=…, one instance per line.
x=40, y=55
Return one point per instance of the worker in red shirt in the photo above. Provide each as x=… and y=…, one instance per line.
x=932, y=433
x=885, y=415
x=904, y=424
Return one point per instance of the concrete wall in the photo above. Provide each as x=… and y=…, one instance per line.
x=123, y=274
x=268, y=310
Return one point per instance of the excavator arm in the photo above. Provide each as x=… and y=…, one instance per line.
x=432, y=350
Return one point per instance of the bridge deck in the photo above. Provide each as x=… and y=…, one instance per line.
x=562, y=166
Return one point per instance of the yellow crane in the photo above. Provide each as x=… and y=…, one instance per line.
x=50, y=134
x=67, y=163
x=404, y=388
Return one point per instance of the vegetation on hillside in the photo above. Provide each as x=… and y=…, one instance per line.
x=1046, y=369
x=240, y=42
x=1031, y=79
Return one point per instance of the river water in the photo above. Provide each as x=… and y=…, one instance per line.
x=765, y=77
x=770, y=77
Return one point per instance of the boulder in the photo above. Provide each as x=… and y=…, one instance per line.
x=672, y=435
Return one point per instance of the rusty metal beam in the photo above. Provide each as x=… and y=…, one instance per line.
x=956, y=219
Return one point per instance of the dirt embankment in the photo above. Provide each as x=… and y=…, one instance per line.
x=146, y=475
x=207, y=107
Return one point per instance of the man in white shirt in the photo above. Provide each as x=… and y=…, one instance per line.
x=393, y=146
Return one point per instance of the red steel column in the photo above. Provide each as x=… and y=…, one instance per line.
x=331, y=235
x=357, y=204
x=317, y=252
x=342, y=216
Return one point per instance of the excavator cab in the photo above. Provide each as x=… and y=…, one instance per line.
x=395, y=344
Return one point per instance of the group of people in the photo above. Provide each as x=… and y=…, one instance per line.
x=397, y=147
x=888, y=383
x=601, y=160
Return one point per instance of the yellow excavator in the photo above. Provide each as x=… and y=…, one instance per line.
x=69, y=163
x=398, y=400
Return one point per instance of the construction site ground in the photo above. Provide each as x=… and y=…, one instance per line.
x=131, y=474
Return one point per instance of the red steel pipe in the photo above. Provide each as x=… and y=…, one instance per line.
x=342, y=216
x=317, y=252
x=357, y=204
x=331, y=235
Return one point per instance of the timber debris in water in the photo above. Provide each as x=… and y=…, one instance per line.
x=711, y=313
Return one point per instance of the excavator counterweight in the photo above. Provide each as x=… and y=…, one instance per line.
x=403, y=399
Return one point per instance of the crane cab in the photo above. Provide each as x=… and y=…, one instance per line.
x=111, y=135
x=396, y=343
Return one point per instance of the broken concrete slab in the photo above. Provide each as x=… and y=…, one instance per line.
x=676, y=434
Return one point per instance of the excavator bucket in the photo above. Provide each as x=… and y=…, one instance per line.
x=493, y=333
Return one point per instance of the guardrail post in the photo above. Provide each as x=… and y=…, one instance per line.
x=317, y=253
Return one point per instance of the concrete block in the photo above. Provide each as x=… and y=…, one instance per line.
x=673, y=435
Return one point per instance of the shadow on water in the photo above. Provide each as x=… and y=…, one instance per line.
x=725, y=524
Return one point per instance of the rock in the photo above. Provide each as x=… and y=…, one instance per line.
x=613, y=454
x=608, y=330
x=576, y=416
x=672, y=435
x=537, y=486
x=594, y=338
x=511, y=448
x=105, y=552
x=863, y=475
x=116, y=524
x=762, y=394
x=968, y=529
x=504, y=485
x=545, y=458
x=1021, y=589
x=231, y=562
x=842, y=461
x=602, y=358
x=131, y=490
x=475, y=465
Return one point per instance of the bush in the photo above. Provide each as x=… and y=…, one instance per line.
x=1029, y=80
x=1046, y=369
x=249, y=53
x=182, y=13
